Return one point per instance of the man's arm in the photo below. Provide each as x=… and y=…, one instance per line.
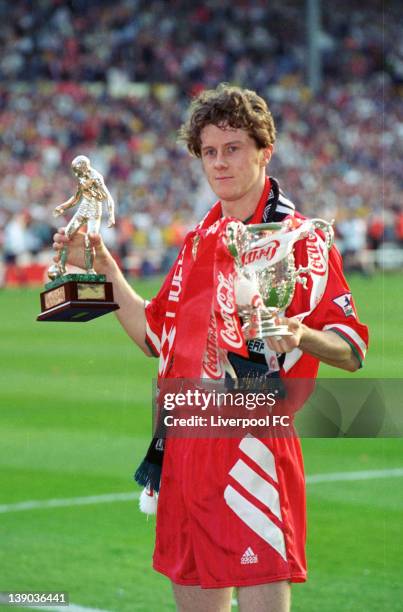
x=327, y=346
x=131, y=313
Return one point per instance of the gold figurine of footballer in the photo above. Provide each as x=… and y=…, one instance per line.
x=90, y=196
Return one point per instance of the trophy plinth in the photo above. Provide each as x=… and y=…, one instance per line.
x=76, y=298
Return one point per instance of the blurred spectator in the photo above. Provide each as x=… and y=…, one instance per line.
x=352, y=242
x=399, y=227
x=376, y=229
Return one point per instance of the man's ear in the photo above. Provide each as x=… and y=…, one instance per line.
x=267, y=153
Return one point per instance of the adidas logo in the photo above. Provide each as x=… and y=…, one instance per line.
x=249, y=557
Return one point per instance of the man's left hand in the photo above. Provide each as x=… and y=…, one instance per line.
x=285, y=344
x=327, y=346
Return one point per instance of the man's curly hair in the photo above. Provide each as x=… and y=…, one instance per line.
x=228, y=106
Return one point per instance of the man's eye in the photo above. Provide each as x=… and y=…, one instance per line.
x=209, y=152
x=232, y=148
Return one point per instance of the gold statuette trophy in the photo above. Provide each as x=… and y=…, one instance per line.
x=80, y=297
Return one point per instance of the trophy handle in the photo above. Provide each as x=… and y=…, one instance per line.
x=302, y=280
x=327, y=229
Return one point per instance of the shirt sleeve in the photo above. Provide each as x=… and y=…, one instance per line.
x=336, y=310
x=155, y=315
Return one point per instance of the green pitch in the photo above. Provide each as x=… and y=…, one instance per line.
x=74, y=423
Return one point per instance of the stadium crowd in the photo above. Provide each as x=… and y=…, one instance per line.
x=111, y=80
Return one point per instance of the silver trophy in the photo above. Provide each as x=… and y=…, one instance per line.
x=266, y=274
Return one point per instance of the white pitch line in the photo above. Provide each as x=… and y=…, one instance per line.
x=69, y=501
x=346, y=476
x=116, y=497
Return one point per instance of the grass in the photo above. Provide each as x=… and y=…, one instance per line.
x=75, y=421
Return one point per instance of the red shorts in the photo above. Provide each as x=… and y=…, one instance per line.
x=231, y=512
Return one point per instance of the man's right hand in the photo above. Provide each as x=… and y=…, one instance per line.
x=131, y=313
x=75, y=250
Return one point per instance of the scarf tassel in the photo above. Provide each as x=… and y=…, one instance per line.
x=148, y=475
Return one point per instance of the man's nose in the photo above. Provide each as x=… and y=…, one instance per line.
x=220, y=161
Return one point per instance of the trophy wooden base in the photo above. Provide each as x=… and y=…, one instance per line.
x=77, y=298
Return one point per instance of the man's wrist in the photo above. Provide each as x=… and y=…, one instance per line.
x=306, y=337
x=109, y=268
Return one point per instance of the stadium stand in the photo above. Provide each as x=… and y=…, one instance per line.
x=111, y=80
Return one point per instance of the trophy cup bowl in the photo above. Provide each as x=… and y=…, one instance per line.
x=266, y=274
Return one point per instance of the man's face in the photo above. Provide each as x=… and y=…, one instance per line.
x=232, y=162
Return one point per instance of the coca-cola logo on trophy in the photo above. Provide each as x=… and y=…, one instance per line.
x=316, y=257
x=230, y=332
x=211, y=359
x=266, y=252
